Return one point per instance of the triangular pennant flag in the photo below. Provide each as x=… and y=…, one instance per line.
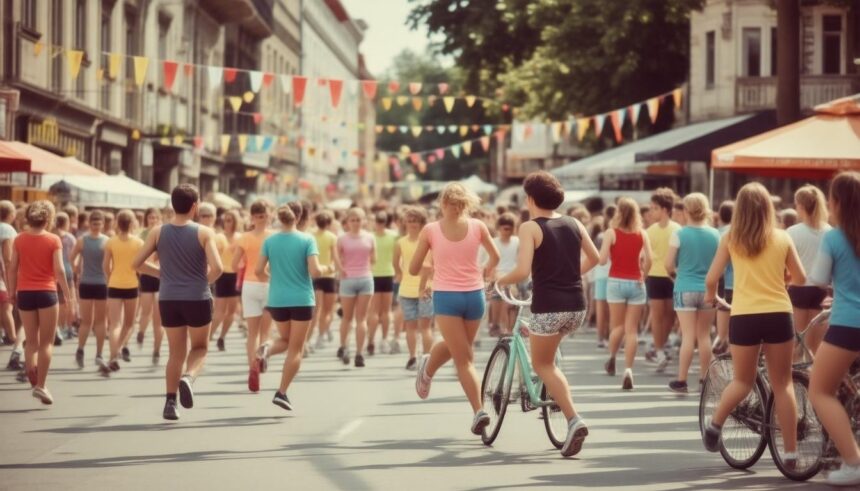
x=403, y=128
x=443, y=88
x=441, y=130
x=165, y=142
x=379, y=129
x=100, y=74
x=169, y=68
x=369, y=88
x=230, y=75
x=556, y=131
x=581, y=128
x=599, y=120
x=414, y=88
x=258, y=118
x=188, y=69
x=335, y=88
x=243, y=142
x=653, y=108
x=452, y=128
x=140, y=65
x=475, y=127
x=267, y=143
x=286, y=83
x=198, y=142
x=416, y=131
x=268, y=78
x=449, y=103
x=622, y=116
x=178, y=140
x=431, y=99
x=256, y=79
x=114, y=63
x=430, y=128
x=260, y=141
x=615, y=117
x=485, y=143
x=415, y=158
x=417, y=103
x=528, y=131
x=252, y=144
x=38, y=46
x=386, y=103
x=467, y=147
x=74, y=57
x=235, y=103
x=455, y=151
x=677, y=94
x=440, y=153
x=402, y=100
x=225, y=144
x=248, y=96
x=299, y=84
x=470, y=100
x=391, y=128
x=634, y=112
x=135, y=134
x=393, y=86
x=488, y=129
x=214, y=74
x=464, y=130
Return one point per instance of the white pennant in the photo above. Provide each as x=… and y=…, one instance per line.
x=215, y=75
x=256, y=78
x=286, y=83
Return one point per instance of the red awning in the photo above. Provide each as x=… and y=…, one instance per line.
x=45, y=162
x=12, y=161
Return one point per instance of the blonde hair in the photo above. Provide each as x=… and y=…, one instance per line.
x=40, y=214
x=753, y=221
x=627, y=216
x=457, y=195
x=811, y=199
x=697, y=207
x=237, y=220
x=416, y=213
x=356, y=212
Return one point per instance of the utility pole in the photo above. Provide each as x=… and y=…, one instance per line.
x=788, y=61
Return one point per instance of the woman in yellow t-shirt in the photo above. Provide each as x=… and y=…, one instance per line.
x=226, y=293
x=761, y=312
x=415, y=297
x=120, y=251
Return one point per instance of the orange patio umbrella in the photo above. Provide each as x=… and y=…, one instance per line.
x=12, y=161
x=45, y=162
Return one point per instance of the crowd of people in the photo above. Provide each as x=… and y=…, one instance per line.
x=683, y=277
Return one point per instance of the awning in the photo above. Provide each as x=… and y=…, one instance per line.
x=12, y=161
x=221, y=200
x=45, y=162
x=108, y=191
x=478, y=185
x=814, y=148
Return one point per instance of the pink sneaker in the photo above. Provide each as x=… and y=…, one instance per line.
x=422, y=381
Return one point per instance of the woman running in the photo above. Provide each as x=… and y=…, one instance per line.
x=292, y=259
x=149, y=293
x=357, y=252
x=556, y=250
x=325, y=292
x=627, y=246
x=807, y=235
x=36, y=270
x=120, y=251
x=417, y=302
x=760, y=311
x=226, y=293
x=691, y=251
x=92, y=288
x=458, y=296
x=383, y=282
x=839, y=261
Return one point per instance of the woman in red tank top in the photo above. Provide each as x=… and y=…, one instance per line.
x=626, y=245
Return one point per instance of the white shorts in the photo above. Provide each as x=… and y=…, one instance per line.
x=254, y=298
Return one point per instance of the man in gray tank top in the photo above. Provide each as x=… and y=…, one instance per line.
x=188, y=263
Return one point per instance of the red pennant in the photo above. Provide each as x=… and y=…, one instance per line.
x=393, y=86
x=335, y=88
x=500, y=135
x=299, y=84
x=415, y=158
x=615, y=117
x=268, y=78
x=169, y=74
x=369, y=88
x=527, y=132
x=230, y=75
x=414, y=88
x=506, y=107
x=431, y=158
x=440, y=153
x=485, y=143
x=189, y=69
x=443, y=88
x=258, y=118
x=301, y=142
x=198, y=142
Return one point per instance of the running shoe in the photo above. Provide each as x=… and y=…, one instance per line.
x=711, y=438
x=601, y=344
x=422, y=381
x=263, y=356
x=114, y=366
x=14, y=361
x=58, y=340
x=140, y=337
x=412, y=364
x=21, y=376
x=480, y=422
x=186, y=394
x=155, y=357
x=345, y=357
x=678, y=386
x=576, y=433
x=359, y=360
x=340, y=352
x=384, y=347
x=627, y=383
x=220, y=344
x=126, y=354
x=170, y=411
x=282, y=401
x=651, y=355
x=395, y=347
x=329, y=337
x=662, y=361
x=789, y=460
x=103, y=367
x=43, y=395
x=254, y=378
x=846, y=475
x=320, y=343
x=371, y=349
x=79, y=357
x=609, y=366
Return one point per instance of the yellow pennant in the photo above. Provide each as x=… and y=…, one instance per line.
x=556, y=131
x=135, y=135
x=402, y=100
x=464, y=130
x=379, y=129
x=391, y=128
x=417, y=103
x=416, y=131
x=37, y=48
x=581, y=128
x=100, y=74
x=165, y=141
x=178, y=140
x=386, y=103
x=243, y=142
x=677, y=94
x=225, y=144
x=74, y=57
x=449, y=103
x=248, y=97
x=470, y=100
x=653, y=108
x=141, y=63
x=235, y=103
x=467, y=147
x=114, y=63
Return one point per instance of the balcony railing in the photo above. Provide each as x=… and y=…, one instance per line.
x=759, y=93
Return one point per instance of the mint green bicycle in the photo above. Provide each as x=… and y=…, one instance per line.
x=510, y=357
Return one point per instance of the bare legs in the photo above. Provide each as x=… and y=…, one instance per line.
x=662, y=319
x=120, y=311
x=380, y=313
x=182, y=360
x=412, y=328
x=695, y=329
x=354, y=308
x=543, y=361
x=40, y=326
x=458, y=335
x=294, y=334
x=225, y=313
x=93, y=317
x=258, y=333
x=624, y=322
x=602, y=313
x=831, y=365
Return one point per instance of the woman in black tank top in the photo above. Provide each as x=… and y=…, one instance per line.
x=557, y=251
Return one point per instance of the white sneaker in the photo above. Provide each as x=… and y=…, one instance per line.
x=662, y=361
x=395, y=347
x=328, y=336
x=320, y=343
x=43, y=395
x=846, y=475
x=422, y=381
x=384, y=347
x=576, y=433
x=627, y=384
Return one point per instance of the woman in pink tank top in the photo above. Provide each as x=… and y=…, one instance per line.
x=356, y=253
x=458, y=296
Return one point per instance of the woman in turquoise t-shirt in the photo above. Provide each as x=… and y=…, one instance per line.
x=691, y=251
x=292, y=257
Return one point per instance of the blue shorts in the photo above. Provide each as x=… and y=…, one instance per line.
x=416, y=308
x=353, y=287
x=631, y=292
x=690, y=302
x=468, y=305
x=600, y=289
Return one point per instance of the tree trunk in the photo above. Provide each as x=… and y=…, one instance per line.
x=788, y=61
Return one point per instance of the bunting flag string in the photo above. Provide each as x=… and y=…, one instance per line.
x=169, y=68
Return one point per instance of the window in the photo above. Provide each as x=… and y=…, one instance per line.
x=132, y=90
x=80, y=41
x=163, y=38
x=28, y=14
x=774, y=51
x=752, y=52
x=57, y=39
x=105, y=42
x=710, y=59
x=831, y=44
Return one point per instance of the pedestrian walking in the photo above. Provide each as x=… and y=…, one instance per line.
x=357, y=252
x=88, y=256
x=119, y=253
x=383, y=282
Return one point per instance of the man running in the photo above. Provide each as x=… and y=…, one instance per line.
x=188, y=264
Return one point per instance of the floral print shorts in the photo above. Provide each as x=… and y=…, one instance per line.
x=553, y=323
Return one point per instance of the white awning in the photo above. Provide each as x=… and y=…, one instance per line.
x=109, y=191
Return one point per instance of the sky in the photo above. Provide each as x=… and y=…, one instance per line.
x=387, y=32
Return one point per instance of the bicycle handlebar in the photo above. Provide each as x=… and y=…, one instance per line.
x=509, y=299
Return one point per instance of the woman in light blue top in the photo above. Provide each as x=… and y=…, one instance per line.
x=292, y=257
x=839, y=260
x=92, y=289
x=691, y=251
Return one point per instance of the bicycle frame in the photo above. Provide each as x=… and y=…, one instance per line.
x=521, y=359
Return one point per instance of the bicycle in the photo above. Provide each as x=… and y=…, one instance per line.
x=510, y=356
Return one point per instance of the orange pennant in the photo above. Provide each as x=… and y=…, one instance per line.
x=615, y=117
x=386, y=103
x=653, y=108
x=417, y=103
x=677, y=94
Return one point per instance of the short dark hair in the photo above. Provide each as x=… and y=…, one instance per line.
x=298, y=212
x=678, y=206
x=260, y=206
x=183, y=198
x=506, y=219
x=664, y=198
x=324, y=219
x=382, y=217
x=727, y=209
x=544, y=189
x=124, y=220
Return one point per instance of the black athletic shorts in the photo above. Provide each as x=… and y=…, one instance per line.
x=123, y=293
x=225, y=286
x=92, y=292
x=149, y=284
x=35, y=300
x=383, y=284
x=806, y=297
x=286, y=314
x=756, y=329
x=325, y=285
x=659, y=288
x=181, y=313
x=847, y=338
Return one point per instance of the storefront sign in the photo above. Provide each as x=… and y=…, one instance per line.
x=47, y=133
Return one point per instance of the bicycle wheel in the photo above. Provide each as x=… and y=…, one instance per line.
x=553, y=420
x=810, y=437
x=743, y=439
x=496, y=391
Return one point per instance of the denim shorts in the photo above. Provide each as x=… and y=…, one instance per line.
x=600, y=289
x=468, y=305
x=631, y=292
x=353, y=287
x=416, y=308
x=690, y=301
